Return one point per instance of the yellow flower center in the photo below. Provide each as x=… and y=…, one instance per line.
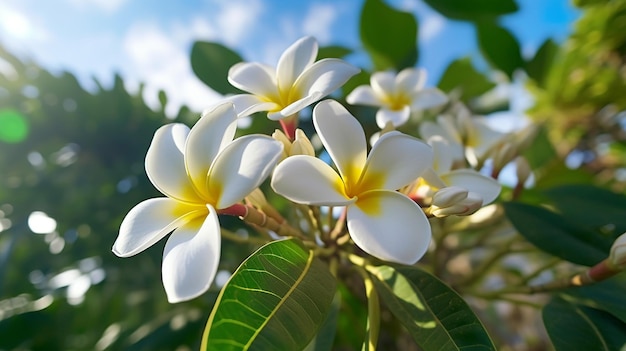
x=355, y=185
x=398, y=101
x=284, y=98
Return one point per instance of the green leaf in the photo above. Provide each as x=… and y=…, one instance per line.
x=211, y=62
x=436, y=316
x=276, y=300
x=473, y=10
x=608, y=295
x=463, y=77
x=323, y=341
x=499, y=47
x=576, y=327
x=591, y=207
x=539, y=66
x=333, y=51
x=388, y=35
x=552, y=233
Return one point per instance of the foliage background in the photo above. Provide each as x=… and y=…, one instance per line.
x=77, y=156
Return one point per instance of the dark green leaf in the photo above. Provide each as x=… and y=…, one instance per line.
x=333, y=51
x=388, y=35
x=436, y=316
x=539, y=66
x=463, y=77
x=211, y=62
x=608, y=295
x=588, y=206
x=323, y=341
x=552, y=233
x=473, y=10
x=499, y=47
x=276, y=300
x=575, y=327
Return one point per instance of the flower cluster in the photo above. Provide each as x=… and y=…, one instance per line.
x=389, y=191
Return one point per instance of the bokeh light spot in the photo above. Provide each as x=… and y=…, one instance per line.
x=13, y=126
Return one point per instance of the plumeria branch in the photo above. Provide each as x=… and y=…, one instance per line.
x=259, y=218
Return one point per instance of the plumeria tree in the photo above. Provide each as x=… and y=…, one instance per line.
x=410, y=218
x=359, y=209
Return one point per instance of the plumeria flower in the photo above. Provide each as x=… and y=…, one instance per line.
x=470, y=137
x=380, y=220
x=297, y=82
x=200, y=171
x=397, y=95
x=469, y=189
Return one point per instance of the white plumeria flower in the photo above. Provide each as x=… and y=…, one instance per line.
x=297, y=82
x=470, y=137
x=441, y=176
x=381, y=221
x=397, y=95
x=200, y=171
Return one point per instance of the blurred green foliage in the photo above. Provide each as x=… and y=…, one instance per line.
x=77, y=157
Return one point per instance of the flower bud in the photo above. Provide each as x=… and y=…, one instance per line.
x=467, y=206
x=503, y=155
x=522, y=169
x=278, y=135
x=449, y=196
x=302, y=145
x=617, y=257
x=257, y=198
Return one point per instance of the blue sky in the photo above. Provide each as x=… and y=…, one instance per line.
x=149, y=40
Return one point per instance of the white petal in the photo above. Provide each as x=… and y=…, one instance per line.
x=428, y=98
x=429, y=129
x=247, y=104
x=443, y=154
x=254, y=78
x=308, y=180
x=191, y=257
x=433, y=180
x=411, y=79
x=396, y=117
x=475, y=182
x=485, y=138
x=343, y=138
x=213, y=131
x=149, y=221
x=294, y=61
x=390, y=226
x=363, y=95
x=324, y=76
x=395, y=160
x=241, y=167
x=383, y=83
x=295, y=107
x=165, y=165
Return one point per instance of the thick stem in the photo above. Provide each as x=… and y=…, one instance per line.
x=289, y=125
x=256, y=217
x=373, y=311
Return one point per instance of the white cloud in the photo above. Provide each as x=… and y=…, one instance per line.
x=235, y=19
x=431, y=26
x=108, y=6
x=319, y=20
x=162, y=63
x=17, y=26
x=159, y=55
